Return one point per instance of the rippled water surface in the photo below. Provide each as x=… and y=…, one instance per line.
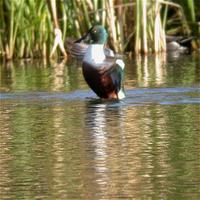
x=59, y=141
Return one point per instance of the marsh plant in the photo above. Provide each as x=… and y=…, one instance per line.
x=140, y=26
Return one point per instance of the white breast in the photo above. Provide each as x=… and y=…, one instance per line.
x=95, y=54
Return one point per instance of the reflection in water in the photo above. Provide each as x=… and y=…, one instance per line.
x=100, y=122
x=157, y=71
x=5, y=155
x=65, y=146
x=96, y=125
x=151, y=70
x=59, y=184
x=115, y=161
x=37, y=76
x=153, y=140
x=160, y=68
x=58, y=76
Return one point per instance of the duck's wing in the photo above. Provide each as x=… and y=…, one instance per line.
x=114, y=68
x=77, y=50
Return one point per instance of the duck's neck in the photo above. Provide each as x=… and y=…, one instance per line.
x=95, y=54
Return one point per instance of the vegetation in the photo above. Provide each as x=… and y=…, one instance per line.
x=26, y=26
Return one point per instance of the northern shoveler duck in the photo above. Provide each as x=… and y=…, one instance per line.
x=102, y=70
x=179, y=44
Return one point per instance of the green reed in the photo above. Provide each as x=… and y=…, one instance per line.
x=26, y=27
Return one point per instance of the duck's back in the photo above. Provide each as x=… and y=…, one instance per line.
x=103, y=75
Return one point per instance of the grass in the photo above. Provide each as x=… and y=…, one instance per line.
x=26, y=26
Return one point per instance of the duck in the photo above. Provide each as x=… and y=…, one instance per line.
x=102, y=70
x=179, y=44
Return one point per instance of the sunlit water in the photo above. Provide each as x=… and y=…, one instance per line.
x=59, y=141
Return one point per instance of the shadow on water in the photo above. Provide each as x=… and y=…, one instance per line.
x=59, y=141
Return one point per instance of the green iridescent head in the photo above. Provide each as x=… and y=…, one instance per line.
x=97, y=34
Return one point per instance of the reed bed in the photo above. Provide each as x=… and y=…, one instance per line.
x=140, y=26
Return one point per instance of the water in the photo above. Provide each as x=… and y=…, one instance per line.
x=59, y=141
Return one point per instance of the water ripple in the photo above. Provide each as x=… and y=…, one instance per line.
x=133, y=97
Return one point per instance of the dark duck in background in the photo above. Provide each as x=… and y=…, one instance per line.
x=103, y=71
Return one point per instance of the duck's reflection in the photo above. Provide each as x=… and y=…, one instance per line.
x=96, y=125
x=104, y=124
